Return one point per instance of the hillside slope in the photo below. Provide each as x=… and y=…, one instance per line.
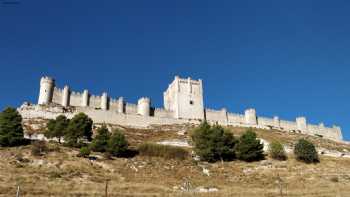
x=61, y=173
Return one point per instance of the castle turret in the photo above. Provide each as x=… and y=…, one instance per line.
x=339, y=135
x=144, y=106
x=85, y=99
x=121, y=105
x=250, y=117
x=104, y=101
x=65, y=96
x=301, y=123
x=276, y=121
x=47, y=85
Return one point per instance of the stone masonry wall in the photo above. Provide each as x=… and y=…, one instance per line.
x=99, y=116
x=183, y=102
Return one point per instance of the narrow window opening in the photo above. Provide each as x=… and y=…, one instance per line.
x=191, y=102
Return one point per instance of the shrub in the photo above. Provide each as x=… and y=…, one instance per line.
x=276, y=151
x=117, y=144
x=249, y=147
x=80, y=126
x=57, y=128
x=165, y=151
x=107, y=155
x=84, y=152
x=213, y=143
x=305, y=151
x=99, y=143
x=39, y=148
x=11, y=130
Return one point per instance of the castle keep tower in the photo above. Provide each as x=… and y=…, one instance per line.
x=47, y=85
x=185, y=98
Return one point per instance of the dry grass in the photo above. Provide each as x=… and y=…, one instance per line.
x=64, y=174
x=164, y=151
x=61, y=173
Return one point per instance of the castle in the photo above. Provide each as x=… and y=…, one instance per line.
x=183, y=103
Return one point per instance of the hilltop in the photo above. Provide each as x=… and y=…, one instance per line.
x=61, y=173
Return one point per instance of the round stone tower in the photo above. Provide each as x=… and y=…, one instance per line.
x=250, y=117
x=65, y=96
x=144, y=106
x=47, y=85
x=104, y=101
x=121, y=105
x=85, y=99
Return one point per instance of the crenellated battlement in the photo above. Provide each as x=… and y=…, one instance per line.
x=183, y=102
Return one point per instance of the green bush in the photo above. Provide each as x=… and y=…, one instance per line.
x=84, y=151
x=276, y=151
x=57, y=128
x=79, y=127
x=164, y=151
x=39, y=148
x=99, y=143
x=213, y=143
x=249, y=147
x=11, y=130
x=305, y=151
x=117, y=144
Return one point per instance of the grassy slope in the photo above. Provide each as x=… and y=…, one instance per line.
x=61, y=173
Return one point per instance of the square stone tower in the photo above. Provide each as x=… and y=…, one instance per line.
x=184, y=97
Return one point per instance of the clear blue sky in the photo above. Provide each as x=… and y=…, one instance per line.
x=286, y=58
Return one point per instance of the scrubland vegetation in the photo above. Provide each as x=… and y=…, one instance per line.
x=131, y=163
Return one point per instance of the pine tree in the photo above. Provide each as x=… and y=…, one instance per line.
x=306, y=151
x=57, y=128
x=249, y=147
x=213, y=143
x=79, y=127
x=117, y=144
x=11, y=130
x=99, y=143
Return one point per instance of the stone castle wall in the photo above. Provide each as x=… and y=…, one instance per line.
x=99, y=116
x=183, y=103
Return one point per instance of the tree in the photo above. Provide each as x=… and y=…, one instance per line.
x=213, y=143
x=99, y=143
x=276, y=151
x=249, y=147
x=11, y=130
x=305, y=151
x=84, y=151
x=117, y=144
x=57, y=128
x=80, y=126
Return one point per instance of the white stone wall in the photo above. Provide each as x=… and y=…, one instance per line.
x=95, y=101
x=288, y=125
x=235, y=119
x=130, y=108
x=216, y=116
x=269, y=122
x=76, y=99
x=162, y=113
x=57, y=95
x=183, y=103
x=100, y=116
